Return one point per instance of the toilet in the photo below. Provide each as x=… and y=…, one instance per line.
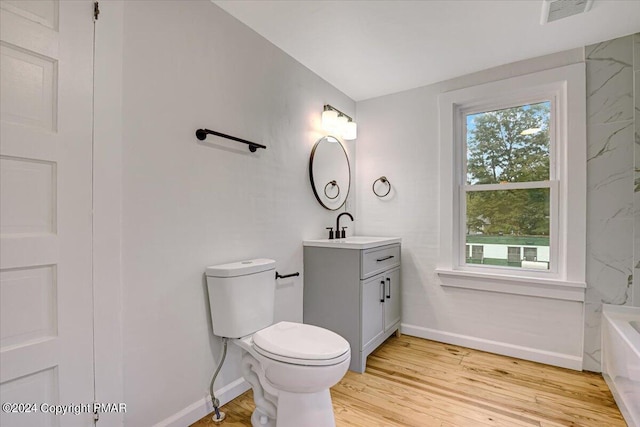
x=290, y=366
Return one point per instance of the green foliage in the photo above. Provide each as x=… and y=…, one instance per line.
x=497, y=151
x=509, y=212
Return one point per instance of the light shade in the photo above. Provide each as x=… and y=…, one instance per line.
x=350, y=131
x=329, y=120
x=338, y=123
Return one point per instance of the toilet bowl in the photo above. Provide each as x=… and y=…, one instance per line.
x=289, y=365
x=295, y=365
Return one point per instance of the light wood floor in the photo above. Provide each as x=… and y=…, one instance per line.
x=414, y=382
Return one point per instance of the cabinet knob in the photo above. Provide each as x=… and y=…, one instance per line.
x=382, y=283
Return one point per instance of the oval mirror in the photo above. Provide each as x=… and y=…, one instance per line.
x=330, y=173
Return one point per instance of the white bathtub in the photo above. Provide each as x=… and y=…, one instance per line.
x=621, y=358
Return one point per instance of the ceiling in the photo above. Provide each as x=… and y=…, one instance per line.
x=372, y=48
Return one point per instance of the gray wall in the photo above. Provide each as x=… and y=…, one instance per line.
x=187, y=204
x=611, y=215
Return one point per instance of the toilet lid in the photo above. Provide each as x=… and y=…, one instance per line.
x=300, y=341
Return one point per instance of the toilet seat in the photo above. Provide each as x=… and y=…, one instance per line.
x=300, y=344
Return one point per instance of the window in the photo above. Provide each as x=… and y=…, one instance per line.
x=513, y=256
x=477, y=254
x=513, y=182
x=508, y=185
x=531, y=254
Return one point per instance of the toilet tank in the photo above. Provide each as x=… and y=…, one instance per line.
x=241, y=296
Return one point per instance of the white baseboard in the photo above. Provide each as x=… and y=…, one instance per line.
x=202, y=407
x=527, y=353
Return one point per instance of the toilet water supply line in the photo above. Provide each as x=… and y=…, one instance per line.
x=218, y=416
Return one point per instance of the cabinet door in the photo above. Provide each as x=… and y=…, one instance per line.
x=372, y=306
x=392, y=304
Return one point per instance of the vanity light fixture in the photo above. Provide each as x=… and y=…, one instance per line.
x=334, y=120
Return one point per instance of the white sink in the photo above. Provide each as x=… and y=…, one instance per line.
x=353, y=242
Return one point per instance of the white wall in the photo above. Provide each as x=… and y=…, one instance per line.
x=186, y=205
x=107, y=207
x=398, y=138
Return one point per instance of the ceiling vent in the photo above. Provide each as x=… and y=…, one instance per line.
x=552, y=10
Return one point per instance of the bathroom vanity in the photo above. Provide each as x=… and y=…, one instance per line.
x=352, y=287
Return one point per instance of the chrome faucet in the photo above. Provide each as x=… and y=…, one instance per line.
x=341, y=234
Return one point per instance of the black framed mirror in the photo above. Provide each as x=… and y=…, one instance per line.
x=330, y=173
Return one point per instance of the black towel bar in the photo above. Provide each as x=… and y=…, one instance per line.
x=201, y=134
x=280, y=276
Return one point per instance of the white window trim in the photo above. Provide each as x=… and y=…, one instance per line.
x=567, y=86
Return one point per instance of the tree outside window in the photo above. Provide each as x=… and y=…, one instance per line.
x=507, y=191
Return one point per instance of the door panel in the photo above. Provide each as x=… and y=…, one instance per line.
x=46, y=332
x=392, y=305
x=372, y=307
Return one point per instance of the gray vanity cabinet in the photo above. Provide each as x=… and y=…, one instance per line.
x=355, y=293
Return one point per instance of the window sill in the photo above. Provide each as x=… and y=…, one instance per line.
x=511, y=284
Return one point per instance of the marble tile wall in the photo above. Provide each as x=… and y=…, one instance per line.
x=613, y=207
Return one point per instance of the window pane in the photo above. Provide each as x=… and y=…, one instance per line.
x=507, y=223
x=509, y=145
x=513, y=256
x=476, y=254
x=531, y=254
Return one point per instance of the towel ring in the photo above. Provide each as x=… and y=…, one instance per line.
x=332, y=184
x=384, y=180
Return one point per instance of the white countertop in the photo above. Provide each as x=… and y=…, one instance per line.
x=353, y=242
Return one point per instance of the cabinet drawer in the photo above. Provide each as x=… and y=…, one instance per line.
x=377, y=260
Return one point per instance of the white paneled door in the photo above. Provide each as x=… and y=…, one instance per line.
x=46, y=307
